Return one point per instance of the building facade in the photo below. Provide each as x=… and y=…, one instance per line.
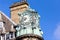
x=23, y=24
x=7, y=30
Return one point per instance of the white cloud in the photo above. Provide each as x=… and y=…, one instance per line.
x=57, y=33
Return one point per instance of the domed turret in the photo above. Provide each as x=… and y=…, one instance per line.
x=29, y=26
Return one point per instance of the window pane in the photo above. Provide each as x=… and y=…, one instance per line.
x=11, y=35
x=1, y=25
x=7, y=37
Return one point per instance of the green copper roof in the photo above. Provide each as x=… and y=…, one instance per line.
x=29, y=23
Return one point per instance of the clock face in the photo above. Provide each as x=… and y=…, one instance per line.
x=26, y=18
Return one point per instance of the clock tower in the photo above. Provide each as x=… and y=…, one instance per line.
x=28, y=21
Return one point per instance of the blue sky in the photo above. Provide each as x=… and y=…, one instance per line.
x=49, y=10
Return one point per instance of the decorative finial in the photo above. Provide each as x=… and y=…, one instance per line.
x=24, y=0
